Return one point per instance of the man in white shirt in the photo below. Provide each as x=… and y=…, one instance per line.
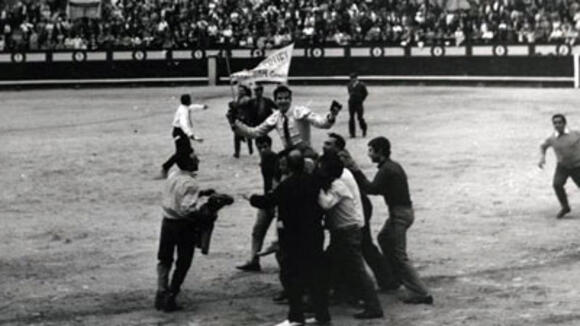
x=340, y=199
x=182, y=132
x=292, y=122
x=335, y=143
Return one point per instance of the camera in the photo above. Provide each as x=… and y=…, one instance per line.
x=335, y=107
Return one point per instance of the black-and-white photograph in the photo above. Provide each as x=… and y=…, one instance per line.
x=290, y=162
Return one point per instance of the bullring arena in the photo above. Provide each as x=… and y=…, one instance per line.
x=80, y=210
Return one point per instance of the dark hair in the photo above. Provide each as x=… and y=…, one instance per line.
x=340, y=142
x=295, y=161
x=332, y=164
x=258, y=86
x=559, y=115
x=187, y=163
x=282, y=89
x=353, y=75
x=264, y=139
x=185, y=99
x=381, y=145
x=246, y=89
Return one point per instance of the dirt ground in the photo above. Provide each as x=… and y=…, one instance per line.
x=80, y=215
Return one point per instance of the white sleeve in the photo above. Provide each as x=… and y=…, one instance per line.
x=328, y=199
x=317, y=120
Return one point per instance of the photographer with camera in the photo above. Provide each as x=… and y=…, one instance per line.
x=292, y=122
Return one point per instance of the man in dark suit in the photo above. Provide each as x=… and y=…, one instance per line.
x=301, y=239
x=262, y=107
x=357, y=93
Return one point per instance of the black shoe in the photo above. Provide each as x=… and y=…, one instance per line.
x=159, y=300
x=366, y=314
x=562, y=212
x=419, y=300
x=170, y=304
x=250, y=267
x=280, y=298
x=364, y=133
x=236, y=155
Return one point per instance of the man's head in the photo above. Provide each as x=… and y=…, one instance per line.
x=283, y=98
x=264, y=144
x=295, y=161
x=259, y=91
x=188, y=162
x=559, y=122
x=186, y=99
x=379, y=149
x=244, y=90
x=353, y=76
x=334, y=143
x=330, y=165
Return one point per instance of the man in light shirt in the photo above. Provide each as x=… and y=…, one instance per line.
x=335, y=143
x=340, y=198
x=566, y=145
x=182, y=131
x=291, y=122
x=180, y=204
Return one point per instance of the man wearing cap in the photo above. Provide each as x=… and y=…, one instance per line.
x=357, y=93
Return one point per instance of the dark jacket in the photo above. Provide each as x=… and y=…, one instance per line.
x=357, y=92
x=299, y=215
x=261, y=109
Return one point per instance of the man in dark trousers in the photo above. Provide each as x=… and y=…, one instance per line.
x=242, y=109
x=181, y=202
x=335, y=143
x=566, y=145
x=340, y=198
x=357, y=93
x=391, y=183
x=268, y=167
x=182, y=132
x=301, y=239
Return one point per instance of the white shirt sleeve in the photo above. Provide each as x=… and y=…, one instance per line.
x=317, y=120
x=337, y=192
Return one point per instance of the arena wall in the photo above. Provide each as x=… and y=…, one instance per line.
x=537, y=64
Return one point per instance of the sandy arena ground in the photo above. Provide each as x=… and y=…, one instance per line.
x=80, y=214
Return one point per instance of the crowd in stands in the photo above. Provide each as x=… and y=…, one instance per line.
x=184, y=24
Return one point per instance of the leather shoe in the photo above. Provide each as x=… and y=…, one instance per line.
x=250, y=267
x=159, y=300
x=366, y=314
x=170, y=305
x=562, y=212
x=419, y=300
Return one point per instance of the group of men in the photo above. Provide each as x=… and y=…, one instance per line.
x=314, y=193
x=306, y=193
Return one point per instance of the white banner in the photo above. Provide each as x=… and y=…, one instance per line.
x=274, y=68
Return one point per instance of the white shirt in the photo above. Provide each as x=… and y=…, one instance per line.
x=300, y=118
x=340, y=203
x=182, y=118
